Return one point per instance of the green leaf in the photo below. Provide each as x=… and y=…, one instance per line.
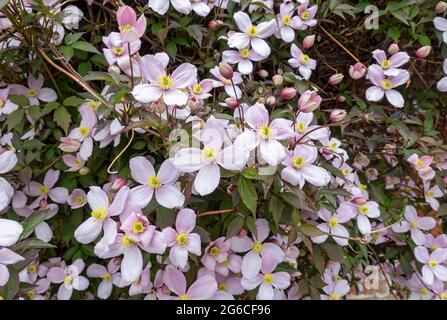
x=309, y=230
x=276, y=207
x=171, y=49
x=196, y=33
x=49, y=107
x=21, y=101
x=235, y=226
x=250, y=173
x=34, y=244
x=32, y=222
x=15, y=118
x=73, y=101
x=247, y=191
x=63, y=118
x=11, y=288
x=71, y=38
x=84, y=46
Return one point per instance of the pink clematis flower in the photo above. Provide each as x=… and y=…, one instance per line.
x=131, y=29
x=367, y=210
x=299, y=167
x=433, y=268
x=7, y=257
x=234, y=92
x=227, y=286
x=70, y=278
x=201, y=8
x=8, y=160
x=202, y=289
x=85, y=132
x=74, y=163
x=435, y=243
x=333, y=224
x=169, y=87
x=42, y=191
x=431, y=194
x=108, y=276
x=117, y=51
x=201, y=90
x=287, y=22
x=181, y=240
x=216, y=253
x=336, y=290
x=302, y=61
x=101, y=215
x=303, y=127
x=162, y=184
x=77, y=199
x=267, y=279
x=258, y=249
x=34, y=92
x=415, y=225
x=251, y=34
x=385, y=86
x=390, y=66
x=243, y=58
x=10, y=232
x=6, y=106
x=306, y=16
x=422, y=165
x=265, y=134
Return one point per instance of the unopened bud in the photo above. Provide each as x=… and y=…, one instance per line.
x=357, y=71
x=84, y=171
x=440, y=7
x=113, y=69
x=226, y=70
x=118, y=183
x=288, y=93
x=212, y=24
x=271, y=101
x=341, y=99
x=277, y=80
x=263, y=73
x=43, y=203
x=309, y=101
x=423, y=52
x=393, y=48
x=335, y=79
x=232, y=103
x=337, y=115
x=308, y=41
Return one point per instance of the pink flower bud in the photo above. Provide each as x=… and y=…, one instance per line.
x=341, y=99
x=393, y=48
x=226, y=70
x=263, y=73
x=69, y=145
x=212, y=24
x=113, y=69
x=423, y=52
x=43, y=203
x=440, y=7
x=308, y=41
x=359, y=201
x=357, y=71
x=84, y=171
x=337, y=115
x=445, y=179
x=277, y=80
x=232, y=103
x=271, y=100
x=118, y=183
x=288, y=93
x=309, y=101
x=335, y=79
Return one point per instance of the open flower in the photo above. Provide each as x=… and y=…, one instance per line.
x=85, y=132
x=70, y=278
x=6, y=106
x=390, y=66
x=433, y=268
x=287, y=22
x=306, y=16
x=10, y=232
x=108, y=275
x=422, y=166
x=415, y=225
x=162, y=183
x=183, y=6
x=302, y=61
x=231, y=88
x=431, y=194
x=131, y=29
x=181, y=239
x=35, y=91
x=117, y=51
x=385, y=86
x=299, y=167
x=169, y=87
x=47, y=189
x=367, y=210
x=243, y=58
x=251, y=34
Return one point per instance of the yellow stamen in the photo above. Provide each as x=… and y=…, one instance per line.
x=43, y=190
x=386, y=64
x=107, y=277
x=2, y=103
x=300, y=127
x=84, y=131
x=286, y=20
x=387, y=84
x=32, y=268
x=223, y=287
x=298, y=162
x=165, y=82
x=413, y=224
x=257, y=247
x=268, y=278
x=197, y=89
x=333, y=222
x=184, y=297
x=264, y=131
x=214, y=251
x=182, y=239
x=68, y=280
x=305, y=15
x=245, y=53
x=363, y=209
x=209, y=153
x=118, y=51
x=125, y=27
x=154, y=182
x=100, y=213
x=32, y=93
x=334, y=296
x=138, y=227
x=127, y=242
x=304, y=58
x=252, y=31
x=432, y=263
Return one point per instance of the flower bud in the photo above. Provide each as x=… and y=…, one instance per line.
x=445, y=179
x=118, y=183
x=113, y=69
x=308, y=41
x=341, y=99
x=212, y=24
x=43, y=203
x=271, y=101
x=335, y=79
x=84, y=171
x=288, y=93
x=440, y=7
x=226, y=70
x=393, y=48
x=357, y=71
x=359, y=201
x=309, y=101
x=277, y=80
x=263, y=73
x=232, y=103
x=337, y=115
x=69, y=145
x=423, y=52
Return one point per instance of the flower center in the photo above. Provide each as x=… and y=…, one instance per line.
x=257, y=247
x=165, y=82
x=298, y=162
x=386, y=84
x=268, y=278
x=43, y=190
x=419, y=163
x=286, y=20
x=107, y=277
x=125, y=27
x=68, y=280
x=197, y=88
x=32, y=93
x=252, y=31
x=214, y=251
x=118, y=51
x=245, y=53
x=84, y=131
x=32, y=268
x=363, y=209
x=184, y=297
x=363, y=187
x=182, y=239
x=345, y=172
x=31, y=294
x=223, y=287
x=264, y=131
x=432, y=263
x=423, y=292
x=94, y=105
x=413, y=224
x=334, y=296
x=127, y=242
x=154, y=182
x=80, y=200
x=300, y=127
x=100, y=213
x=386, y=64
x=209, y=153
x=2, y=103
x=434, y=247
x=138, y=227
x=333, y=222
x=430, y=194
x=304, y=58
x=443, y=296
x=305, y=15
